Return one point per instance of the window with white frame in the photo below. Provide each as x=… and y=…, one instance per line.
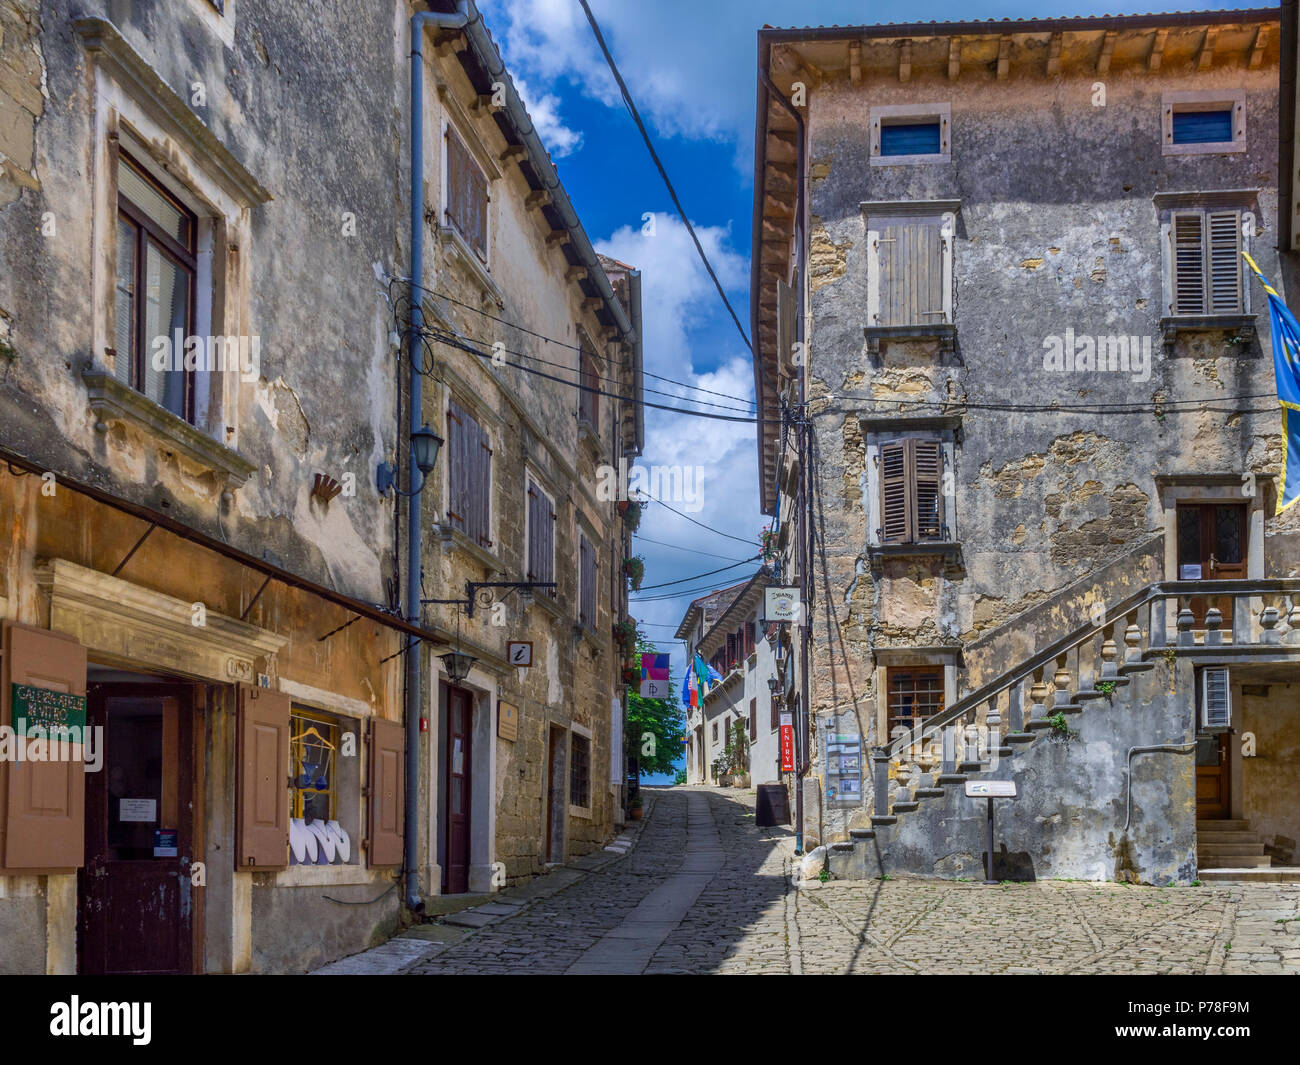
x=910, y=133
x=1203, y=122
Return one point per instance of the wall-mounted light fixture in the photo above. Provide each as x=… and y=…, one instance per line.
x=458, y=665
x=425, y=444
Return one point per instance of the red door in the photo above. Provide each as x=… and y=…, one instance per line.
x=1212, y=547
x=460, y=721
x=135, y=911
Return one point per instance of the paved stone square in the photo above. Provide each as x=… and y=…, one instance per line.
x=705, y=891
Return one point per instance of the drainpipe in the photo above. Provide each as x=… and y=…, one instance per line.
x=803, y=761
x=414, y=510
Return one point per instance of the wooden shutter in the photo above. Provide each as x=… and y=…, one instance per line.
x=776, y=717
x=43, y=822
x=1187, y=231
x=927, y=474
x=466, y=194
x=1223, y=266
x=458, y=468
x=386, y=821
x=536, y=513
x=587, y=581
x=480, y=503
x=753, y=720
x=894, y=518
x=910, y=255
x=262, y=814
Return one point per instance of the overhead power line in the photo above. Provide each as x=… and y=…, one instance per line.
x=701, y=524
x=645, y=136
x=697, y=576
x=681, y=547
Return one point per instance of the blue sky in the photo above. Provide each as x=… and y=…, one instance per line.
x=690, y=67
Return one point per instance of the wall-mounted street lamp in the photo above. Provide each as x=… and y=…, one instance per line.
x=425, y=445
x=774, y=686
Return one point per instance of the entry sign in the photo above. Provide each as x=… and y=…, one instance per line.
x=787, y=744
x=990, y=789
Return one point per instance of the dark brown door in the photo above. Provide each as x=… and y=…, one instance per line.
x=135, y=907
x=556, y=797
x=1212, y=798
x=460, y=715
x=1212, y=547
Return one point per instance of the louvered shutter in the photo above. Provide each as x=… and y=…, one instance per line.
x=753, y=720
x=481, y=492
x=1187, y=231
x=457, y=473
x=262, y=816
x=587, y=581
x=44, y=815
x=534, y=526
x=731, y=649
x=386, y=813
x=927, y=473
x=895, y=527
x=1224, y=261
x=910, y=255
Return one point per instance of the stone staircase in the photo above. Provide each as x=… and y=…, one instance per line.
x=1096, y=731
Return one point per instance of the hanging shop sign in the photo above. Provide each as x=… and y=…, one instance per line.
x=782, y=605
x=654, y=676
x=520, y=653
x=46, y=709
x=787, y=747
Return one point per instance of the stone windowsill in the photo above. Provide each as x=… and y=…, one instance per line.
x=589, y=436
x=944, y=332
x=1240, y=326
x=949, y=551
x=589, y=634
x=583, y=812
x=458, y=248
x=112, y=400
x=332, y=875
x=455, y=540
x=548, y=602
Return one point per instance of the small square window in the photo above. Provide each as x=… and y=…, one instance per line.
x=910, y=133
x=1203, y=122
x=1202, y=127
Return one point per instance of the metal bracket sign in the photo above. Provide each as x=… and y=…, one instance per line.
x=990, y=789
x=782, y=605
x=520, y=653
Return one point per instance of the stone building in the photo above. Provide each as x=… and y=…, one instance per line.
x=725, y=628
x=201, y=320
x=997, y=280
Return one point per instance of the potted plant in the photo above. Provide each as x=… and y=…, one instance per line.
x=722, y=770
x=629, y=675
x=738, y=751
x=634, y=808
x=625, y=633
x=634, y=570
x=632, y=514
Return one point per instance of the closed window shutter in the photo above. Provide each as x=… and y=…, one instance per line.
x=910, y=255
x=541, y=537
x=386, y=820
x=1187, y=231
x=927, y=466
x=466, y=194
x=482, y=489
x=1224, y=257
x=895, y=527
x=458, y=472
x=548, y=543
x=776, y=719
x=587, y=578
x=534, y=520
x=470, y=477
x=262, y=817
x=43, y=828
x=753, y=719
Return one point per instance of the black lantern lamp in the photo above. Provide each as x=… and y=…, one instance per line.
x=425, y=445
x=774, y=685
x=458, y=665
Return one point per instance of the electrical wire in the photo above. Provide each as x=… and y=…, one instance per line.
x=701, y=524
x=692, y=550
x=563, y=343
x=645, y=136
x=697, y=576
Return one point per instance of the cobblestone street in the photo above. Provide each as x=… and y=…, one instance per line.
x=727, y=905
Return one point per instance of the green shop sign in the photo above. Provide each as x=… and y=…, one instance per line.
x=42, y=708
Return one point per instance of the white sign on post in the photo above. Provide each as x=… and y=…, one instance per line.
x=782, y=605
x=990, y=789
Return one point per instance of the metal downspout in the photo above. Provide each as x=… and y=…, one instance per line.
x=414, y=510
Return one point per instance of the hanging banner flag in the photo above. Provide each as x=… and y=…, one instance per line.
x=1286, y=371
x=654, y=676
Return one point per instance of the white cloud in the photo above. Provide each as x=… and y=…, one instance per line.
x=678, y=298
x=544, y=109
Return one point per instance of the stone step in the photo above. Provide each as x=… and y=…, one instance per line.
x=862, y=833
x=905, y=807
x=1227, y=837
x=877, y=822
x=972, y=767
x=843, y=846
x=930, y=793
x=1223, y=825
x=1065, y=708
x=950, y=778
x=1276, y=874
x=1136, y=667
x=1227, y=849
x=1020, y=737
x=1235, y=861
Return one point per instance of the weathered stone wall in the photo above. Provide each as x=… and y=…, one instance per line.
x=1269, y=778
x=1057, y=230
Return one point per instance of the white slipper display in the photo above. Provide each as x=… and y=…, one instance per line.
x=342, y=844
x=326, y=838
x=297, y=844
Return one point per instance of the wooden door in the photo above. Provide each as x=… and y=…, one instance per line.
x=1212, y=547
x=460, y=720
x=556, y=797
x=134, y=907
x=1212, y=777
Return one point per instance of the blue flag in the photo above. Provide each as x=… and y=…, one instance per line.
x=1286, y=368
